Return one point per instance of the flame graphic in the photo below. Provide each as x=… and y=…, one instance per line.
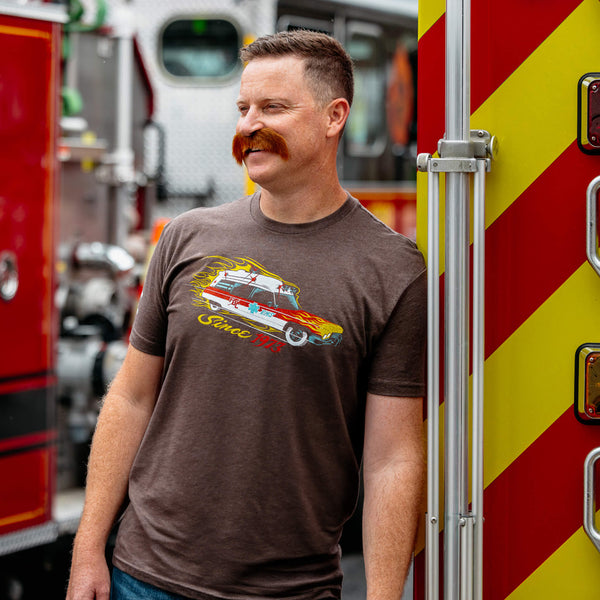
x=324, y=327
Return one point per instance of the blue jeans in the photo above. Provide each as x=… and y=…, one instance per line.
x=126, y=587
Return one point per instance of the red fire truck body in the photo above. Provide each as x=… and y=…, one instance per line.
x=29, y=116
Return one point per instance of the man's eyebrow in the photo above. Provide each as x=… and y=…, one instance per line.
x=265, y=100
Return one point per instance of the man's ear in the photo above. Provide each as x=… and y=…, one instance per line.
x=337, y=115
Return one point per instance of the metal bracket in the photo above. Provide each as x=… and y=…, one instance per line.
x=481, y=144
x=457, y=156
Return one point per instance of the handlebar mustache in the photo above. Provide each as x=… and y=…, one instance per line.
x=264, y=139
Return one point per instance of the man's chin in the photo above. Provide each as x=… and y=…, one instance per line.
x=256, y=173
x=266, y=176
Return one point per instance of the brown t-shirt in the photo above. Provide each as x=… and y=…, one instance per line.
x=272, y=335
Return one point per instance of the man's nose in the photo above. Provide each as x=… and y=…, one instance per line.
x=249, y=122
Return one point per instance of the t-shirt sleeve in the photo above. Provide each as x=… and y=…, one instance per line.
x=149, y=329
x=398, y=364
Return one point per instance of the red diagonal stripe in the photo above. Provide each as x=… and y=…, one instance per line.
x=535, y=505
x=536, y=244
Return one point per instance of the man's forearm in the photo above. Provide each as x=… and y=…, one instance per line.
x=117, y=437
x=120, y=429
x=119, y=432
x=390, y=516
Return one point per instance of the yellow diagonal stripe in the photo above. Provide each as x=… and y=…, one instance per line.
x=529, y=380
x=534, y=112
x=573, y=571
x=429, y=13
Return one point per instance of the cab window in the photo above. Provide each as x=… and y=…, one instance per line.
x=287, y=302
x=200, y=49
x=264, y=297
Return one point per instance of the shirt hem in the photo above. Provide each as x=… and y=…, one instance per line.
x=196, y=594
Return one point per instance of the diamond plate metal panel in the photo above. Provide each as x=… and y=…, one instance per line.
x=198, y=118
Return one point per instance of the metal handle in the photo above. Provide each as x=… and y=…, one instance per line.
x=592, y=221
x=9, y=275
x=589, y=504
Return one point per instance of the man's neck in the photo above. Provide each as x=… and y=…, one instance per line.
x=302, y=206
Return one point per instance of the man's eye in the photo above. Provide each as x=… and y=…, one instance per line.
x=243, y=110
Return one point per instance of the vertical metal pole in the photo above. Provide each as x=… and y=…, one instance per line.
x=122, y=194
x=124, y=132
x=457, y=286
x=433, y=388
x=478, y=366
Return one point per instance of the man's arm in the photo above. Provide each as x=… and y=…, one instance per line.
x=394, y=472
x=121, y=425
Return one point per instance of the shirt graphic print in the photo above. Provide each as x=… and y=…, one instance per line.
x=240, y=293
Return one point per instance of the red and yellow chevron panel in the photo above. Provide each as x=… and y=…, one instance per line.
x=542, y=297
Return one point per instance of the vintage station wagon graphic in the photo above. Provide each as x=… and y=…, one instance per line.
x=263, y=301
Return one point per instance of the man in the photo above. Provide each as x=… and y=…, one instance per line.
x=278, y=343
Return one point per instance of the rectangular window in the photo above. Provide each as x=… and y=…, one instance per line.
x=201, y=49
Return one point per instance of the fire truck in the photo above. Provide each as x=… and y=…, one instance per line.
x=509, y=172
x=116, y=116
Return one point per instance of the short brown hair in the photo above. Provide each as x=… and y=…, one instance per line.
x=327, y=64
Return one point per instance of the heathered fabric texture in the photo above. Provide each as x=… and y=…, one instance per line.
x=272, y=335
